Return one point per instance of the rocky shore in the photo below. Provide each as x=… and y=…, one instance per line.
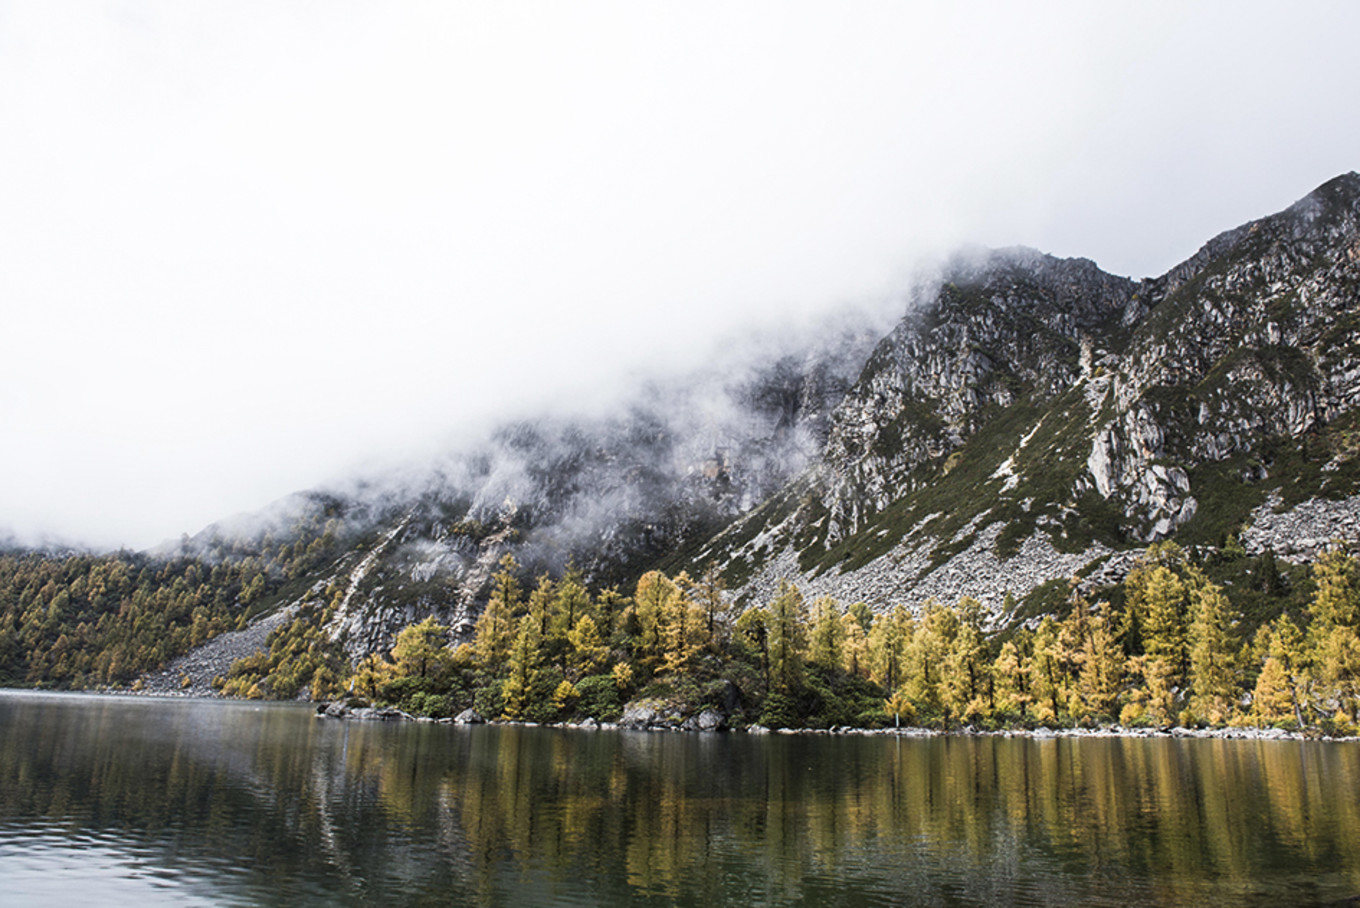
x=650, y=717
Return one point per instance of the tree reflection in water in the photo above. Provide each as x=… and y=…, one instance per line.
x=268, y=805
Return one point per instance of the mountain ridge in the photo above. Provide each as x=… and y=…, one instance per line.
x=1026, y=419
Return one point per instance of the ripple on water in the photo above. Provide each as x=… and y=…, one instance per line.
x=47, y=863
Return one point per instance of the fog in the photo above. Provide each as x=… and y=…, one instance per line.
x=253, y=248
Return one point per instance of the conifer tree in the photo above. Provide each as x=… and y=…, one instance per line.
x=540, y=606
x=889, y=639
x=1279, y=692
x=497, y=625
x=682, y=629
x=827, y=646
x=1213, y=668
x=966, y=683
x=653, y=603
x=861, y=612
x=1158, y=597
x=421, y=650
x=1100, y=661
x=856, y=652
x=753, y=630
x=787, y=638
x=1334, y=636
x=1047, y=684
x=610, y=608
x=588, y=652
x=1275, y=698
x=1012, y=676
x=524, y=669
x=900, y=707
x=571, y=602
x=927, y=653
x=709, y=593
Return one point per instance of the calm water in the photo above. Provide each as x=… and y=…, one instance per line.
x=123, y=801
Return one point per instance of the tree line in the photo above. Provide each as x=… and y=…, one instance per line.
x=1168, y=647
x=1177, y=642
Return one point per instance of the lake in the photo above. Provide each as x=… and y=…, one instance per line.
x=113, y=800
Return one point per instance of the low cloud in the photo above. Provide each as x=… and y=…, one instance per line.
x=255, y=248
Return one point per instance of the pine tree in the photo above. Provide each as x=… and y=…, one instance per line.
x=421, y=650
x=524, y=671
x=496, y=626
x=927, y=653
x=889, y=639
x=966, y=684
x=856, y=652
x=788, y=638
x=1012, y=676
x=827, y=646
x=1101, y=662
x=1213, y=668
x=1334, y=635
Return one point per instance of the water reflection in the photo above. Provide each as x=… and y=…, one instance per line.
x=241, y=804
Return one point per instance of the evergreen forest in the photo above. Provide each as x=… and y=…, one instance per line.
x=1223, y=639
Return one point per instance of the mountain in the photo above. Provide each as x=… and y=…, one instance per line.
x=1026, y=419
x=1039, y=418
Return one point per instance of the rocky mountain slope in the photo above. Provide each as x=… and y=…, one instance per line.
x=1029, y=418
x=1038, y=417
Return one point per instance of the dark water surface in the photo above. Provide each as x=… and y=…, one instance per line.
x=108, y=801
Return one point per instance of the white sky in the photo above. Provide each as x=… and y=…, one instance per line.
x=246, y=247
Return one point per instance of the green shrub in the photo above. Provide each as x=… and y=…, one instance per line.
x=599, y=698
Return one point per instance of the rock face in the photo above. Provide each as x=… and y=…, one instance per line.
x=1003, y=325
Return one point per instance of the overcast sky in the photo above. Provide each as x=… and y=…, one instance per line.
x=246, y=248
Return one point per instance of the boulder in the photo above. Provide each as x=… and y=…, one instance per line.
x=468, y=716
x=710, y=720
x=641, y=714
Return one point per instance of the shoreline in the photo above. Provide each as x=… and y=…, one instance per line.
x=1041, y=733
x=337, y=710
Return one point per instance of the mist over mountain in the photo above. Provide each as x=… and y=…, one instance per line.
x=1025, y=419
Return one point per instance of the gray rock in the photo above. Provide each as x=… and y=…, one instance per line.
x=469, y=716
x=710, y=720
x=639, y=715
